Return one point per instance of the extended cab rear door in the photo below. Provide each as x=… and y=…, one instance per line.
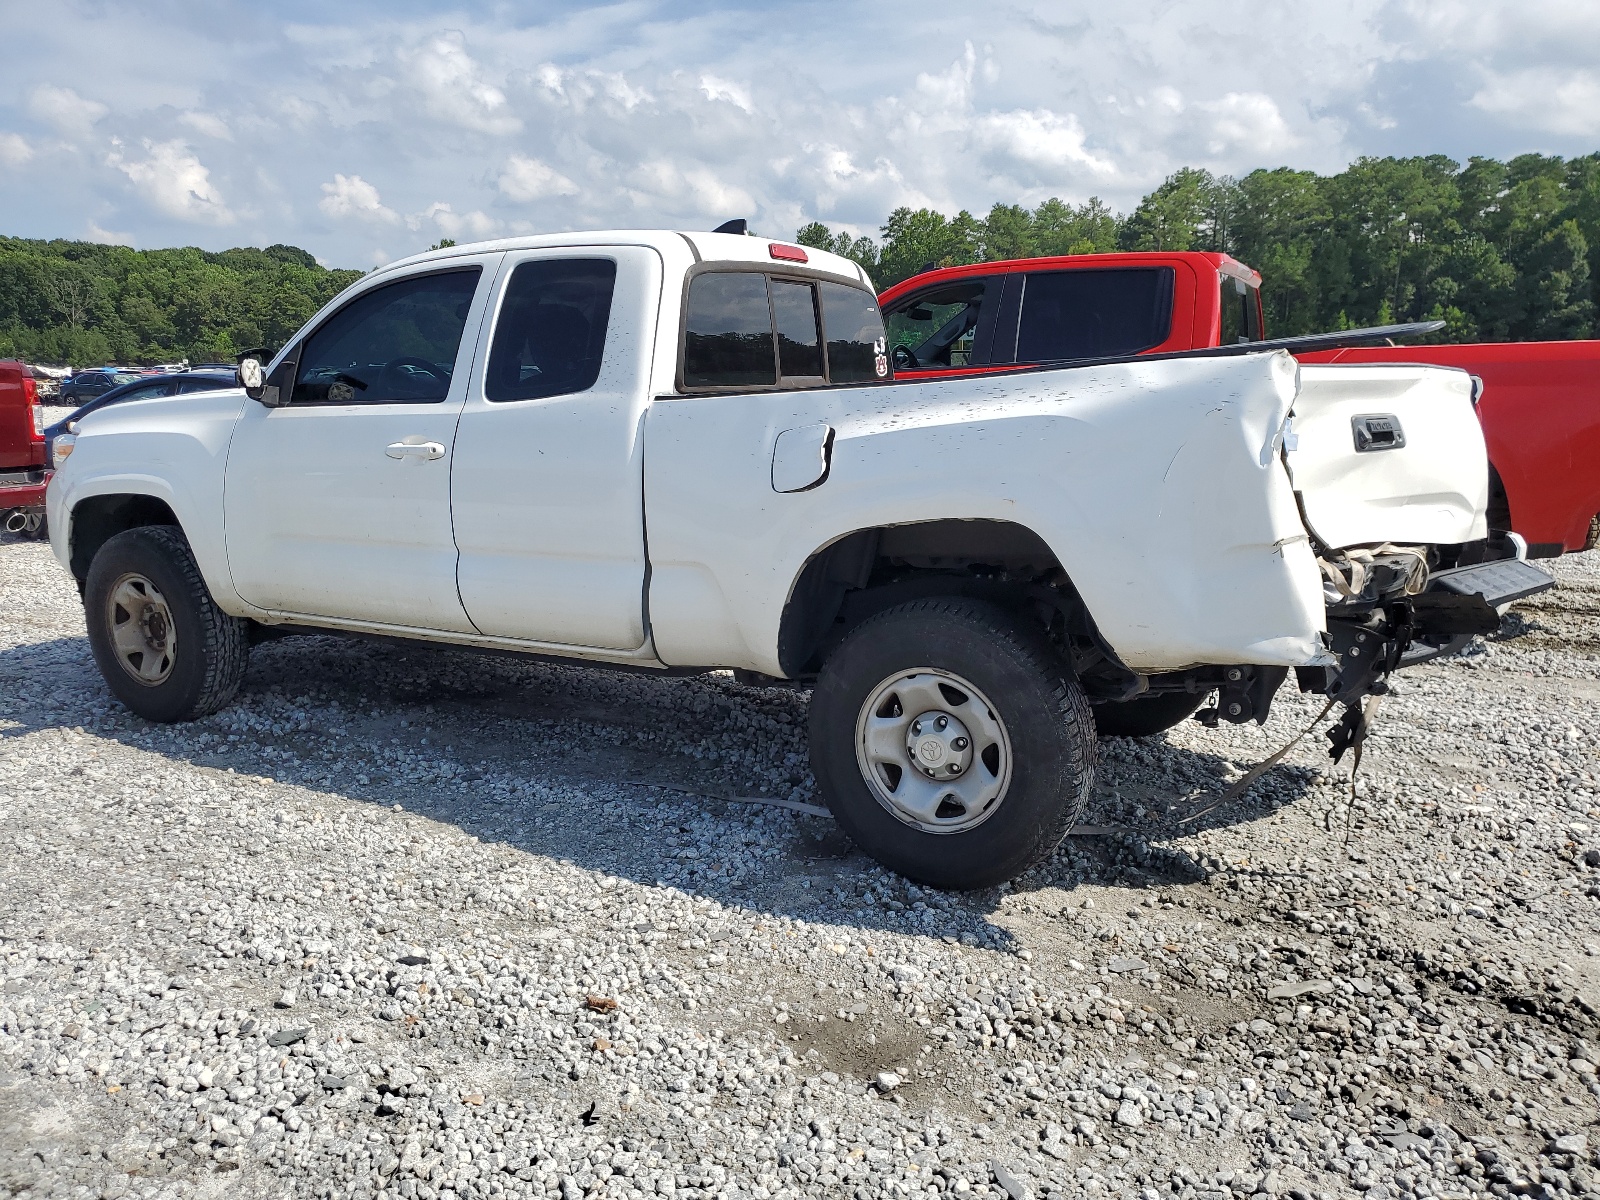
x=548, y=478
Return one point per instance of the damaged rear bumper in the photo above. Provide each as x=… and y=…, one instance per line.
x=1369, y=640
x=1456, y=605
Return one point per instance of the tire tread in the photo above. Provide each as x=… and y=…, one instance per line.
x=1065, y=699
x=224, y=641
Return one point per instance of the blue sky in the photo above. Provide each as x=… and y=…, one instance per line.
x=365, y=131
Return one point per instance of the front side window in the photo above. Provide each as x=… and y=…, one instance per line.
x=396, y=344
x=551, y=334
x=937, y=328
x=1094, y=313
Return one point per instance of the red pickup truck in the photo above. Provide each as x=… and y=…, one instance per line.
x=1539, y=401
x=23, y=472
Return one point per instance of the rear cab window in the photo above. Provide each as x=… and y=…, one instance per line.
x=749, y=330
x=1241, y=310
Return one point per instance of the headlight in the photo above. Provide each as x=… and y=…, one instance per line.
x=60, y=448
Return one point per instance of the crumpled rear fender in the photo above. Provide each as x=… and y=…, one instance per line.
x=1158, y=484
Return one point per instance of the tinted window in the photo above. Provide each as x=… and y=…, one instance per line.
x=161, y=387
x=728, y=331
x=395, y=344
x=855, y=334
x=551, y=333
x=1240, y=317
x=937, y=328
x=1094, y=314
x=185, y=386
x=794, y=313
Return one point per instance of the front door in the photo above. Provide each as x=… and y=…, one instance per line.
x=338, y=503
x=547, y=486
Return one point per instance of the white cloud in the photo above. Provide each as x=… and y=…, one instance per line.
x=14, y=149
x=474, y=226
x=353, y=196
x=1042, y=138
x=720, y=89
x=175, y=182
x=647, y=113
x=527, y=179
x=1245, y=121
x=209, y=124
x=664, y=187
x=107, y=237
x=61, y=107
x=453, y=87
x=1551, y=101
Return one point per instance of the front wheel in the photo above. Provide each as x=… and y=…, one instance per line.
x=951, y=742
x=164, y=647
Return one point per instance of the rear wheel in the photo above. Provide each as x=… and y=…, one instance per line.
x=164, y=647
x=951, y=742
x=1145, y=715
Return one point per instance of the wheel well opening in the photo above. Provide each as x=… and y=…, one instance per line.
x=100, y=518
x=869, y=570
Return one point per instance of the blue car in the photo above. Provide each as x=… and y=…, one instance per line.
x=141, y=387
x=86, y=385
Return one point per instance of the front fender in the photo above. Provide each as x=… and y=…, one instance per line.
x=173, y=450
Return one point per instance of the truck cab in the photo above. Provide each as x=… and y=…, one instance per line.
x=990, y=316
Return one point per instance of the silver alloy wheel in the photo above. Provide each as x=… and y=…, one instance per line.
x=141, y=628
x=933, y=750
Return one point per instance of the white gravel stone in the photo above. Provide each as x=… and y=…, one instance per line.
x=533, y=950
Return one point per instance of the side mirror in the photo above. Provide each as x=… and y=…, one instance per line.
x=271, y=391
x=251, y=375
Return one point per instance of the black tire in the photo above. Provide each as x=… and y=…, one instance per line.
x=211, y=649
x=1145, y=715
x=1034, y=696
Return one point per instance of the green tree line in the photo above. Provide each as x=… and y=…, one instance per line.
x=1500, y=251
x=85, y=304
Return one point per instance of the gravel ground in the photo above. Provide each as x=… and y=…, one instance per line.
x=423, y=923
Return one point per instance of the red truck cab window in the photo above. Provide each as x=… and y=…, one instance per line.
x=942, y=327
x=1064, y=315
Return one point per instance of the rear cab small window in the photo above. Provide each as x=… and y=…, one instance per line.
x=1241, y=310
x=750, y=330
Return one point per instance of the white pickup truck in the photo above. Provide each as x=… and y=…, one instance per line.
x=686, y=451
